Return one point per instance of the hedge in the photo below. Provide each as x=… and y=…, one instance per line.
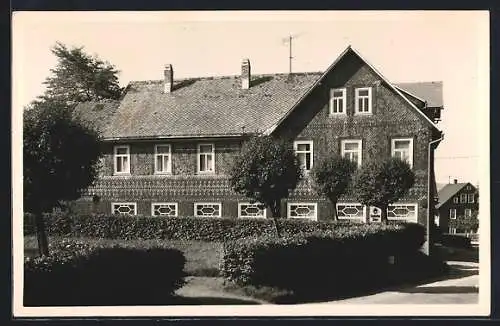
x=176, y=228
x=336, y=260
x=455, y=241
x=81, y=274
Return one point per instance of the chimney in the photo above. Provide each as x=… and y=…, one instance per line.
x=169, y=78
x=245, y=74
x=455, y=181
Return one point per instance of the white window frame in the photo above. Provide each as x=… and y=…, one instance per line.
x=469, y=211
x=251, y=204
x=123, y=204
x=311, y=151
x=164, y=204
x=198, y=158
x=452, y=230
x=463, y=198
x=469, y=196
x=334, y=99
x=169, y=163
x=414, y=219
x=454, y=215
x=455, y=200
x=357, y=97
x=360, y=148
x=410, y=148
x=361, y=218
x=313, y=218
x=207, y=203
x=116, y=156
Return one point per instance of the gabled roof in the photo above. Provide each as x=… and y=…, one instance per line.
x=210, y=106
x=430, y=92
x=448, y=191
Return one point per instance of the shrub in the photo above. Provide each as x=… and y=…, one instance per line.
x=456, y=241
x=80, y=274
x=334, y=260
x=176, y=228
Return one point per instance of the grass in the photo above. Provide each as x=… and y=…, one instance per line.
x=202, y=258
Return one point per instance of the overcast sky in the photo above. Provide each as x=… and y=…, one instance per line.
x=404, y=46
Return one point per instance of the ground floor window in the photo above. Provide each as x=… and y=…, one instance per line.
x=164, y=209
x=207, y=209
x=347, y=211
x=124, y=208
x=257, y=210
x=452, y=230
x=303, y=210
x=407, y=212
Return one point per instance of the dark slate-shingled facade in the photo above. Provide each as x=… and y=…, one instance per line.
x=349, y=109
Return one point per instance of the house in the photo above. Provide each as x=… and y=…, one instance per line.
x=458, y=203
x=169, y=143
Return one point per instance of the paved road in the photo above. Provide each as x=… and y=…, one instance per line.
x=461, y=287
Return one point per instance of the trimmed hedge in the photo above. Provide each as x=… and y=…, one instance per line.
x=80, y=274
x=176, y=228
x=341, y=259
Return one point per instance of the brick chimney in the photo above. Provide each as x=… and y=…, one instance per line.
x=455, y=181
x=169, y=78
x=245, y=74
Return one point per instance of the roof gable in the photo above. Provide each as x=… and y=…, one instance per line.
x=449, y=191
x=347, y=51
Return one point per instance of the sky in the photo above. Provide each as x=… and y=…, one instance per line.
x=447, y=46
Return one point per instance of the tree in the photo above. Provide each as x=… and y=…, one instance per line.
x=332, y=176
x=60, y=160
x=79, y=77
x=383, y=182
x=266, y=171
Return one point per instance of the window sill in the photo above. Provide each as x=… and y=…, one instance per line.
x=124, y=174
x=362, y=113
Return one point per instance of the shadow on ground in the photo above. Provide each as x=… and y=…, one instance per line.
x=441, y=289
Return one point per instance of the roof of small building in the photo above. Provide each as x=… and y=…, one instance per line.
x=449, y=191
x=432, y=92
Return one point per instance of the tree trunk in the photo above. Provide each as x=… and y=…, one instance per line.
x=41, y=235
x=275, y=211
x=383, y=214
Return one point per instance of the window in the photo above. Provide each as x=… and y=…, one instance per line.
x=402, y=148
x=338, y=101
x=453, y=213
x=251, y=210
x=164, y=209
x=163, y=162
x=122, y=159
x=349, y=211
x=124, y=208
x=470, y=198
x=351, y=149
x=455, y=200
x=304, y=151
x=207, y=209
x=407, y=212
x=468, y=212
x=302, y=210
x=463, y=198
x=363, y=100
x=206, y=158
x=436, y=220
x=452, y=230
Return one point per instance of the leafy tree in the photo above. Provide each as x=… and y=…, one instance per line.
x=266, y=171
x=332, y=176
x=383, y=182
x=79, y=77
x=60, y=160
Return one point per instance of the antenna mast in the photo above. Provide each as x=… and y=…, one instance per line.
x=290, y=54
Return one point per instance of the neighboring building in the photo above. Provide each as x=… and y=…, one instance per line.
x=168, y=144
x=457, y=202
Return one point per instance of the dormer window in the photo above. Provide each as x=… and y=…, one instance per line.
x=363, y=100
x=338, y=101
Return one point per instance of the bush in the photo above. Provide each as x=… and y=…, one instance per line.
x=80, y=274
x=175, y=228
x=455, y=241
x=341, y=259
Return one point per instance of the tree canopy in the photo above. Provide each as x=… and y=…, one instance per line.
x=332, y=175
x=79, y=77
x=383, y=182
x=266, y=171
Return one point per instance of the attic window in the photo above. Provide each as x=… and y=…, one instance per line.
x=338, y=101
x=363, y=100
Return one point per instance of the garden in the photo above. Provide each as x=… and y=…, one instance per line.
x=140, y=260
